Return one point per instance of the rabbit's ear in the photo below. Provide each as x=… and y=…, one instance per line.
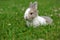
x=30, y=4
x=35, y=5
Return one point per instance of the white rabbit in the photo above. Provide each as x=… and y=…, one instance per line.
x=33, y=19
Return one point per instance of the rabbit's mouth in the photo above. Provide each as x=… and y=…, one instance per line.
x=29, y=19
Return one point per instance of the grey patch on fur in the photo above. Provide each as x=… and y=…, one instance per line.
x=48, y=19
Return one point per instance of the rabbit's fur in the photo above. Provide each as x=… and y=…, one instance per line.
x=33, y=19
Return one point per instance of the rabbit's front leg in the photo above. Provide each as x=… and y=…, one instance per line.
x=27, y=23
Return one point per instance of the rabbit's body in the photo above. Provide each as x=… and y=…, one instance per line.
x=48, y=19
x=33, y=19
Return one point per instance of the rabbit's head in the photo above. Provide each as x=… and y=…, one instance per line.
x=31, y=12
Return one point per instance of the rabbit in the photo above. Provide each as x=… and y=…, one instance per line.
x=33, y=19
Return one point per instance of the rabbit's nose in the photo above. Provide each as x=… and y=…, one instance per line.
x=26, y=18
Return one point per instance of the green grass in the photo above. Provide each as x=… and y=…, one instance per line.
x=12, y=24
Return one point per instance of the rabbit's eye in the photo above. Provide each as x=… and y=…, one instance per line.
x=31, y=13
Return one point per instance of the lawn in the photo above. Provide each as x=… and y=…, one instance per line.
x=13, y=26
